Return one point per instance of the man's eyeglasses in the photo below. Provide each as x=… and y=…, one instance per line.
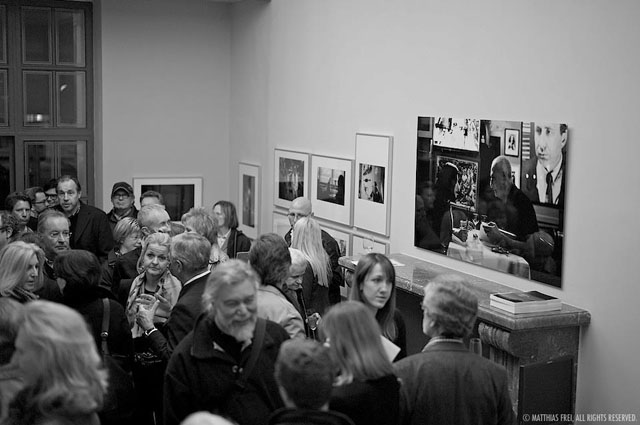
x=121, y=195
x=51, y=195
x=56, y=235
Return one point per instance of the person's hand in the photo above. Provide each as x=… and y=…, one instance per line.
x=495, y=235
x=162, y=301
x=145, y=314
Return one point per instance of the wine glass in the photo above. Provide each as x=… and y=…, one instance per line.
x=367, y=244
x=475, y=346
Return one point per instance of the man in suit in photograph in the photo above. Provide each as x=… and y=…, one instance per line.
x=446, y=383
x=543, y=175
x=89, y=225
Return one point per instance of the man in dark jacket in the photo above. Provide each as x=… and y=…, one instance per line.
x=123, y=203
x=446, y=383
x=89, y=225
x=226, y=365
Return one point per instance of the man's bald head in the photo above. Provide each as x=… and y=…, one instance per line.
x=300, y=208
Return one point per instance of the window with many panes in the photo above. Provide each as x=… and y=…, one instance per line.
x=46, y=102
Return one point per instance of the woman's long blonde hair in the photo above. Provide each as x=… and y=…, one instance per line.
x=307, y=237
x=14, y=262
x=71, y=379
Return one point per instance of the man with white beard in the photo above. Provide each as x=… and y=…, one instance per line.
x=226, y=365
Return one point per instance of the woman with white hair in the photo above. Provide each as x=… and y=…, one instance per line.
x=21, y=271
x=307, y=237
x=56, y=354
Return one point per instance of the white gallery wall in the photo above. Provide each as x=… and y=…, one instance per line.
x=308, y=74
x=164, y=95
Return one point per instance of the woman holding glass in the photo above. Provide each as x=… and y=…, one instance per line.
x=374, y=285
x=307, y=237
x=155, y=282
x=61, y=368
x=21, y=271
x=366, y=388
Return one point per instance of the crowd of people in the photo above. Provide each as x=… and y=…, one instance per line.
x=127, y=318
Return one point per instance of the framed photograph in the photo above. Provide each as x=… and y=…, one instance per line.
x=291, y=177
x=511, y=142
x=466, y=191
x=249, y=199
x=180, y=193
x=362, y=245
x=372, y=188
x=332, y=188
x=280, y=223
x=343, y=239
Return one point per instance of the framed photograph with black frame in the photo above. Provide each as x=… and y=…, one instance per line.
x=372, y=195
x=332, y=188
x=180, y=193
x=511, y=142
x=291, y=172
x=249, y=198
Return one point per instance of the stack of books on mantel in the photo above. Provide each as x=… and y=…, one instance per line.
x=524, y=302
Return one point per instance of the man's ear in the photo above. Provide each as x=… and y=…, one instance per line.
x=563, y=138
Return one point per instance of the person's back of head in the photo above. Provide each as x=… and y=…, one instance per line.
x=270, y=258
x=307, y=237
x=191, y=250
x=151, y=197
x=205, y=418
x=305, y=373
x=355, y=342
x=81, y=271
x=450, y=306
x=199, y=220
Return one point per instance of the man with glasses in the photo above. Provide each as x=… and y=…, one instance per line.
x=301, y=207
x=51, y=193
x=122, y=200
x=54, y=226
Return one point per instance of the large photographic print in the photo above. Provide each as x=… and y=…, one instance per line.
x=291, y=177
x=500, y=205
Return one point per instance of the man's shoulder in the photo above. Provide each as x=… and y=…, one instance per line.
x=86, y=209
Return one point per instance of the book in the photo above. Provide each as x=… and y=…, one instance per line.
x=524, y=302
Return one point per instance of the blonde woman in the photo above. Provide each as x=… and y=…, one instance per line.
x=21, y=266
x=366, y=389
x=63, y=378
x=307, y=237
x=155, y=282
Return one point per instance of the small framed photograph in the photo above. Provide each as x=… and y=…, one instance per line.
x=343, y=238
x=331, y=188
x=372, y=191
x=180, y=193
x=281, y=223
x=364, y=244
x=511, y=142
x=291, y=176
x=249, y=199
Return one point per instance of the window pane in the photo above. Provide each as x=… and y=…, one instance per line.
x=71, y=93
x=37, y=95
x=3, y=34
x=50, y=159
x=70, y=37
x=36, y=30
x=4, y=99
x=7, y=182
x=40, y=166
